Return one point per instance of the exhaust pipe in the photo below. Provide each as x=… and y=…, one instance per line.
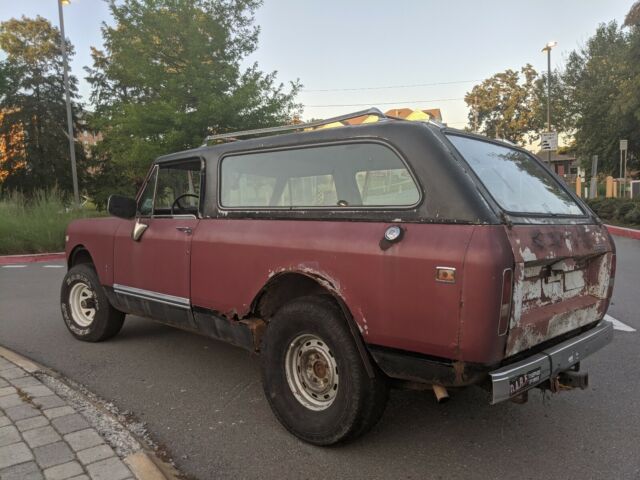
x=441, y=393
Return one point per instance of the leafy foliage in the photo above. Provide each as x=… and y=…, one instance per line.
x=506, y=105
x=34, y=148
x=169, y=74
x=598, y=80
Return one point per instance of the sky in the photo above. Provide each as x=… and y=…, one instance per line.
x=352, y=54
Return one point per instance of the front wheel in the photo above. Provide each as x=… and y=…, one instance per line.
x=314, y=377
x=85, y=308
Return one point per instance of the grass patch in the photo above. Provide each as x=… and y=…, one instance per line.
x=36, y=224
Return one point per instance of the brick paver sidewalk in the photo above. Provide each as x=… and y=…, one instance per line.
x=43, y=437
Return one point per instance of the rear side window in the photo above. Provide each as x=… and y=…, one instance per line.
x=515, y=179
x=331, y=176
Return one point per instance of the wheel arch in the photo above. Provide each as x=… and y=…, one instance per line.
x=79, y=254
x=289, y=285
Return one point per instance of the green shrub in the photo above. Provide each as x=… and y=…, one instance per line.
x=617, y=210
x=633, y=216
x=36, y=224
x=624, y=208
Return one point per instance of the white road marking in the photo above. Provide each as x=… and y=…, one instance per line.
x=618, y=325
x=13, y=266
x=52, y=266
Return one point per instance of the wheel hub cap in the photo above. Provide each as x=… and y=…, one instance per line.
x=82, y=304
x=312, y=372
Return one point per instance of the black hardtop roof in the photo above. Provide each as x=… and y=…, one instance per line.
x=381, y=129
x=301, y=134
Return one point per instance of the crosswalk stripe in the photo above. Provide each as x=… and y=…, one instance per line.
x=618, y=325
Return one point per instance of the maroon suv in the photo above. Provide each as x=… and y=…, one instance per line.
x=354, y=258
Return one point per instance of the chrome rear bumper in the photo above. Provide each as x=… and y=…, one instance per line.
x=513, y=379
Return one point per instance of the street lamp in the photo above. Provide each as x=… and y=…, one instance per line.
x=547, y=48
x=72, y=150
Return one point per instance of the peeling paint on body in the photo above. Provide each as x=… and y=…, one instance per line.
x=561, y=280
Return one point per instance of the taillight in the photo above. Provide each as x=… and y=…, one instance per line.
x=612, y=276
x=505, y=301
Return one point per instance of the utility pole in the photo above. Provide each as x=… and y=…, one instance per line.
x=72, y=150
x=547, y=48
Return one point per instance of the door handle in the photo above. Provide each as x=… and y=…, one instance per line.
x=186, y=230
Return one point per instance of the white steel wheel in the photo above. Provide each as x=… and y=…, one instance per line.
x=82, y=304
x=312, y=372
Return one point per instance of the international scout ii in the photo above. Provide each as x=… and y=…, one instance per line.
x=389, y=253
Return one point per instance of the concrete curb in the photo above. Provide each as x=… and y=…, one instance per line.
x=624, y=232
x=36, y=257
x=144, y=464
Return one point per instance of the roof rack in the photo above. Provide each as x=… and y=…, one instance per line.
x=299, y=126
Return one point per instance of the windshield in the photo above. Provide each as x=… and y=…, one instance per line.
x=515, y=179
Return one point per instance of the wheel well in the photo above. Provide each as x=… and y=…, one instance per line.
x=282, y=289
x=80, y=255
x=287, y=286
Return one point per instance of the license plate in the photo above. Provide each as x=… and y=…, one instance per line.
x=524, y=381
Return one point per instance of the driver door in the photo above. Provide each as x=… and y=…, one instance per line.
x=152, y=252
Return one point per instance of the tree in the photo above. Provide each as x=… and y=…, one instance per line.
x=598, y=83
x=169, y=74
x=34, y=148
x=505, y=105
x=629, y=102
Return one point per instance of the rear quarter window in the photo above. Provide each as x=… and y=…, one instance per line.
x=516, y=181
x=330, y=176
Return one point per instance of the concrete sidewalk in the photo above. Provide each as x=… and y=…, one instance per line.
x=42, y=436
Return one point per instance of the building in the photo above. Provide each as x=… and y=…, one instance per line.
x=564, y=164
x=405, y=113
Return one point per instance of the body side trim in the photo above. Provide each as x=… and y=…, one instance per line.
x=155, y=296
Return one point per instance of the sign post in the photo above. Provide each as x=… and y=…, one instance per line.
x=623, y=162
x=549, y=141
x=593, y=187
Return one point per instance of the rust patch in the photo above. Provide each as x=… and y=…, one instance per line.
x=459, y=371
x=257, y=327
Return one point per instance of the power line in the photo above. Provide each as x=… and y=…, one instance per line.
x=387, y=103
x=388, y=86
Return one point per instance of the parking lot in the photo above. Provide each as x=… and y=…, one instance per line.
x=202, y=400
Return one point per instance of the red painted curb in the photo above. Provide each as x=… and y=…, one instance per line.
x=624, y=232
x=37, y=257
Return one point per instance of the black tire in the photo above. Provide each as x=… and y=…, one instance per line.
x=106, y=321
x=359, y=400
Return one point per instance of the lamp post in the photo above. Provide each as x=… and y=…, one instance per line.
x=547, y=48
x=65, y=61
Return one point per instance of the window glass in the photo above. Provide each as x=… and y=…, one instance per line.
x=178, y=190
x=387, y=187
x=515, y=179
x=315, y=191
x=356, y=174
x=247, y=189
x=145, y=202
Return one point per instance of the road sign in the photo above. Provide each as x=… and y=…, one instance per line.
x=549, y=141
x=623, y=145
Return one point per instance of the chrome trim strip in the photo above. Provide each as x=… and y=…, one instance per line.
x=154, y=296
x=551, y=361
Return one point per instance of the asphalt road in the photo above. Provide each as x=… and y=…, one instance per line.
x=203, y=400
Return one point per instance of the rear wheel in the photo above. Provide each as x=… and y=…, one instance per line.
x=85, y=308
x=313, y=376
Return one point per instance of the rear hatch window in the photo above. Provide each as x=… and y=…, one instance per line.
x=515, y=180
